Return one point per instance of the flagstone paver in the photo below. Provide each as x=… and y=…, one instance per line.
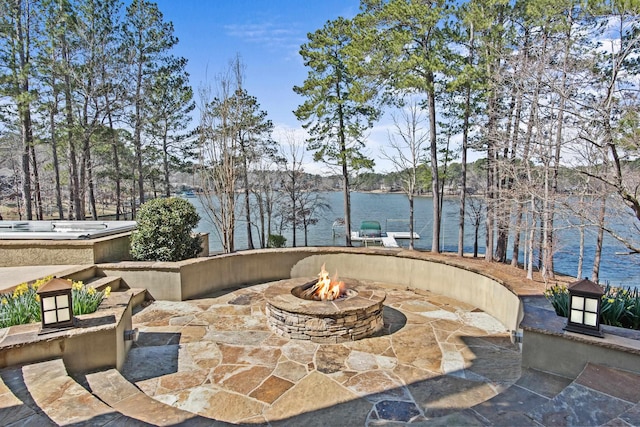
x=216, y=357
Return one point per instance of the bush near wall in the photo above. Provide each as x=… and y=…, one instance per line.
x=276, y=241
x=165, y=231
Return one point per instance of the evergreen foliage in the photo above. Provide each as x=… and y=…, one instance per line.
x=165, y=231
x=276, y=241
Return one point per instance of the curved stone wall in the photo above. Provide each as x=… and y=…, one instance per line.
x=421, y=270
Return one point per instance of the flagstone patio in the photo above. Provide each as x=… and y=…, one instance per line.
x=217, y=357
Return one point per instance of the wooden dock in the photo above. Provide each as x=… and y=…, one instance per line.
x=388, y=240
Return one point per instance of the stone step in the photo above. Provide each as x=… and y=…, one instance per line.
x=599, y=395
x=116, y=391
x=101, y=283
x=533, y=389
x=16, y=405
x=63, y=401
x=138, y=296
x=134, y=296
x=80, y=273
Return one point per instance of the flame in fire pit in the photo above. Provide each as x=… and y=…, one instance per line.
x=325, y=289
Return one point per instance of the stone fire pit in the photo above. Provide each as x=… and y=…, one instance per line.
x=357, y=315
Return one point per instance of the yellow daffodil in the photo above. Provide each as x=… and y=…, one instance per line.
x=4, y=301
x=21, y=289
x=107, y=291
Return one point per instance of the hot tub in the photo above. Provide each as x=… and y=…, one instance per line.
x=62, y=230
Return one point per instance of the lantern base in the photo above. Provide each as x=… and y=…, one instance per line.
x=44, y=331
x=587, y=331
x=58, y=327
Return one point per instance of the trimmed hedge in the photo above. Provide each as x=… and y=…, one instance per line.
x=165, y=231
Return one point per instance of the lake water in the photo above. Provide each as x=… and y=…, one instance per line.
x=392, y=211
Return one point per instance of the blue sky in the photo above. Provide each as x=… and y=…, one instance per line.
x=266, y=34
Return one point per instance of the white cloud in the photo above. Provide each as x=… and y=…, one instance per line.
x=274, y=37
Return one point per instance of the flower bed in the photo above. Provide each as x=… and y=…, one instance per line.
x=620, y=306
x=23, y=304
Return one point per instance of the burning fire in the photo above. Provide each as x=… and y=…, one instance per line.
x=326, y=289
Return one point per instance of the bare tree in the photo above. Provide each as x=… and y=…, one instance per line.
x=292, y=150
x=266, y=195
x=407, y=143
x=475, y=208
x=218, y=169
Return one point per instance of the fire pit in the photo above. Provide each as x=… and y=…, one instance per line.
x=295, y=310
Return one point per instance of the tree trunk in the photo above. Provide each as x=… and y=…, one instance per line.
x=435, y=179
x=247, y=201
x=261, y=217
x=92, y=192
x=27, y=140
x=165, y=160
x=580, y=253
x=116, y=159
x=465, y=146
x=411, y=215
x=293, y=206
x=137, y=131
x=475, y=240
x=532, y=234
x=345, y=173
x=36, y=183
x=54, y=150
x=74, y=185
x=24, y=108
x=595, y=272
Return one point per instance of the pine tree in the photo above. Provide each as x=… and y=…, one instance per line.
x=336, y=111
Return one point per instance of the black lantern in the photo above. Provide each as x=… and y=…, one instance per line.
x=56, y=307
x=585, y=302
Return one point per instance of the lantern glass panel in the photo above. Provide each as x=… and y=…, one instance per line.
x=590, y=319
x=49, y=303
x=50, y=317
x=62, y=301
x=577, y=303
x=63, y=315
x=576, y=316
x=591, y=304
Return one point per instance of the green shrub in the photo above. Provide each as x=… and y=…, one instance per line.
x=165, y=231
x=276, y=241
x=23, y=304
x=620, y=306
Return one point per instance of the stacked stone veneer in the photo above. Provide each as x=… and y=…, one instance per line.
x=345, y=319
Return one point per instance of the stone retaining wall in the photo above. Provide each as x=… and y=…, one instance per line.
x=14, y=253
x=201, y=276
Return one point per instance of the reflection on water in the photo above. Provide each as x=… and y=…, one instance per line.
x=392, y=211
